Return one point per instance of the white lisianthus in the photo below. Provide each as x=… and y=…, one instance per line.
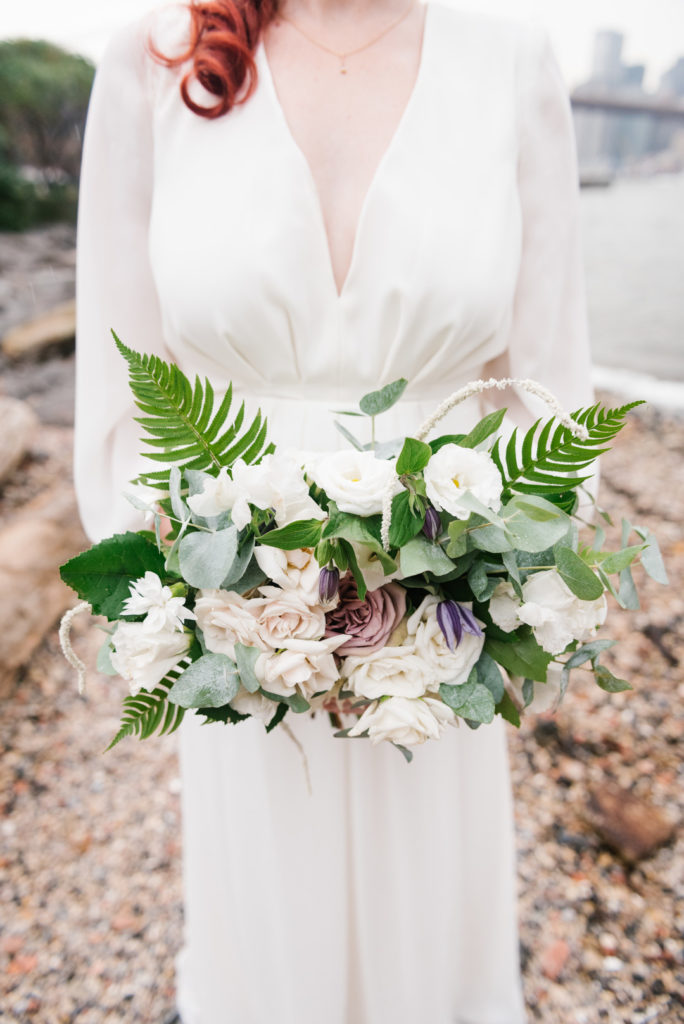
x=295, y=570
x=454, y=471
x=404, y=721
x=304, y=666
x=277, y=482
x=545, y=696
x=218, y=495
x=355, y=481
x=143, y=656
x=504, y=605
x=556, y=615
x=429, y=643
x=391, y=671
x=227, y=618
x=254, y=704
x=156, y=602
x=284, y=614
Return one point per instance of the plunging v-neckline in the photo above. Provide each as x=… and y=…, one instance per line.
x=266, y=69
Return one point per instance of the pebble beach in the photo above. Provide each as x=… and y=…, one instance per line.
x=90, y=856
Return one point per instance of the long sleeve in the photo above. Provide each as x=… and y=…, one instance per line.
x=114, y=283
x=549, y=338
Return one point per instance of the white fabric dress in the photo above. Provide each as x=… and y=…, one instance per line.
x=387, y=895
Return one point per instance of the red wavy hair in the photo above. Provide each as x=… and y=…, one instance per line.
x=223, y=37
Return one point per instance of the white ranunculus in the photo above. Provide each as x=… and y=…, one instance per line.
x=504, y=605
x=556, y=615
x=284, y=614
x=218, y=495
x=425, y=635
x=545, y=696
x=277, y=482
x=454, y=471
x=303, y=666
x=391, y=671
x=254, y=704
x=156, y=602
x=295, y=570
x=143, y=656
x=355, y=481
x=405, y=721
x=227, y=618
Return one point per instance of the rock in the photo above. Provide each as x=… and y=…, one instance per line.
x=48, y=331
x=554, y=959
x=630, y=825
x=18, y=425
x=35, y=542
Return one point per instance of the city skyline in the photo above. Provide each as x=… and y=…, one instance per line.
x=654, y=32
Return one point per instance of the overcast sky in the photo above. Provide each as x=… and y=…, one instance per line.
x=653, y=29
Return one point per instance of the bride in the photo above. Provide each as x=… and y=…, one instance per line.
x=312, y=198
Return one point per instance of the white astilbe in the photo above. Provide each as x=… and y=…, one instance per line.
x=477, y=387
x=65, y=641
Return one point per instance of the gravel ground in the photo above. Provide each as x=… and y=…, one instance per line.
x=89, y=844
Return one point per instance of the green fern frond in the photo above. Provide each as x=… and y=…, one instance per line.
x=149, y=712
x=183, y=427
x=548, y=460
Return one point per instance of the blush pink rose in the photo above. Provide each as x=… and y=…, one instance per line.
x=369, y=623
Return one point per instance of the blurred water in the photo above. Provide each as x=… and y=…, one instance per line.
x=634, y=258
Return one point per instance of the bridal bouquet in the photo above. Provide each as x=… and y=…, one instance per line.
x=397, y=587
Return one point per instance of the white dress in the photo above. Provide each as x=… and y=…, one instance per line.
x=387, y=894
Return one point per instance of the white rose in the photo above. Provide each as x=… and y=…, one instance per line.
x=284, y=614
x=156, y=602
x=454, y=471
x=143, y=656
x=355, y=481
x=218, y=495
x=304, y=666
x=430, y=644
x=556, y=615
x=405, y=721
x=391, y=671
x=277, y=482
x=504, y=605
x=254, y=704
x=295, y=570
x=227, y=618
x=545, y=696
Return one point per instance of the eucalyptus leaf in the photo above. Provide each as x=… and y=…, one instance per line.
x=534, y=524
x=577, y=575
x=241, y=561
x=627, y=592
x=180, y=509
x=458, y=541
x=528, y=692
x=469, y=700
x=480, y=583
x=485, y=537
x=210, y=682
x=616, y=561
x=206, y=558
x=421, y=555
x=245, y=658
x=489, y=674
x=608, y=682
x=376, y=402
x=253, y=576
x=104, y=659
x=651, y=558
x=353, y=441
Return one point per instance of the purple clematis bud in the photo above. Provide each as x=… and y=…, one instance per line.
x=449, y=622
x=328, y=583
x=432, y=524
x=452, y=619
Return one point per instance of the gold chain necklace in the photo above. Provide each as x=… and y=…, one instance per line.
x=342, y=57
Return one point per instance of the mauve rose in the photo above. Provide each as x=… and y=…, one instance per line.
x=369, y=623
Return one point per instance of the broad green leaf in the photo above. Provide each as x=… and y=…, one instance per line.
x=245, y=658
x=103, y=575
x=527, y=692
x=421, y=555
x=577, y=575
x=209, y=682
x=404, y=524
x=295, y=702
x=206, y=558
x=364, y=530
x=376, y=402
x=439, y=442
x=413, y=456
x=508, y=711
x=523, y=657
x=608, y=682
x=304, y=533
x=350, y=560
x=484, y=429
